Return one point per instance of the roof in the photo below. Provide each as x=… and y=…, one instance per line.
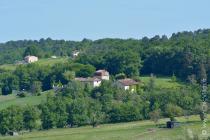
x=102, y=72
x=89, y=79
x=127, y=82
x=30, y=56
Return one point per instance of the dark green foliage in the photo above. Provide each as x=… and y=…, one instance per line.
x=11, y=119
x=184, y=55
x=172, y=111
x=78, y=112
x=30, y=117
x=120, y=76
x=95, y=113
x=36, y=88
x=6, y=90
x=32, y=50
x=47, y=118
x=86, y=71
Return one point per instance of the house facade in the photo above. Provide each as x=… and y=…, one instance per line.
x=128, y=84
x=30, y=59
x=102, y=74
x=75, y=54
x=93, y=82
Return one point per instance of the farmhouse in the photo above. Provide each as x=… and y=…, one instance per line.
x=75, y=54
x=30, y=59
x=102, y=74
x=93, y=82
x=54, y=57
x=127, y=84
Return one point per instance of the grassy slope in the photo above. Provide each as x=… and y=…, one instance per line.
x=44, y=62
x=140, y=130
x=6, y=101
x=163, y=82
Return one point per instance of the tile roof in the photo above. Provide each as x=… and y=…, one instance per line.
x=127, y=82
x=102, y=72
x=89, y=79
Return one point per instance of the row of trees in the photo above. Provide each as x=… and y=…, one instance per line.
x=77, y=104
x=185, y=54
x=35, y=78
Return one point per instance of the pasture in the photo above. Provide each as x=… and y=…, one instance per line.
x=140, y=130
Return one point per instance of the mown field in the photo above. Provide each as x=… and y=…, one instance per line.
x=162, y=82
x=43, y=62
x=6, y=101
x=141, y=130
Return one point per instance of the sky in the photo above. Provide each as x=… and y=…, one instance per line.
x=96, y=19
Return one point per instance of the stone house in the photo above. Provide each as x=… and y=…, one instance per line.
x=102, y=74
x=127, y=84
x=93, y=82
x=75, y=54
x=30, y=59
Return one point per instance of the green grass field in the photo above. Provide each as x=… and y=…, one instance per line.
x=51, y=61
x=43, y=62
x=163, y=82
x=6, y=101
x=141, y=130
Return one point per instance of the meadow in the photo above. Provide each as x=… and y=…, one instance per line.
x=6, y=101
x=140, y=130
x=43, y=62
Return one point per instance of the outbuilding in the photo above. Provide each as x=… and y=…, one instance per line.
x=172, y=124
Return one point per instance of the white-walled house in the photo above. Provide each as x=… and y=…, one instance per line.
x=102, y=74
x=30, y=59
x=127, y=84
x=75, y=54
x=94, y=82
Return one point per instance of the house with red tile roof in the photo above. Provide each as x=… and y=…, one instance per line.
x=92, y=81
x=102, y=74
x=127, y=84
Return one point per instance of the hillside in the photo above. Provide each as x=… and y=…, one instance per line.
x=42, y=62
x=141, y=130
x=180, y=54
x=12, y=99
x=106, y=82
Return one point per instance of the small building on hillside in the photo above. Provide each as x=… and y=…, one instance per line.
x=75, y=54
x=54, y=57
x=172, y=124
x=30, y=59
x=127, y=84
x=93, y=82
x=102, y=74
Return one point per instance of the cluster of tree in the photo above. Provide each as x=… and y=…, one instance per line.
x=13, y=51
x=78, y=104
x=36, y=78
x=185, y=54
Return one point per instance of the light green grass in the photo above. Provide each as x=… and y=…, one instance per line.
x=9, y=67
x=52, y=61
x=43, y=62
x=6, y=101
x=162, y=82
x=140, y=130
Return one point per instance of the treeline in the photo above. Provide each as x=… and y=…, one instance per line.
x=185, y=54
x=77, y=104
x=35, y=78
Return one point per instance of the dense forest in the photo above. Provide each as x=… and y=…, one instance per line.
x=185, y=57
x=184, y=54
